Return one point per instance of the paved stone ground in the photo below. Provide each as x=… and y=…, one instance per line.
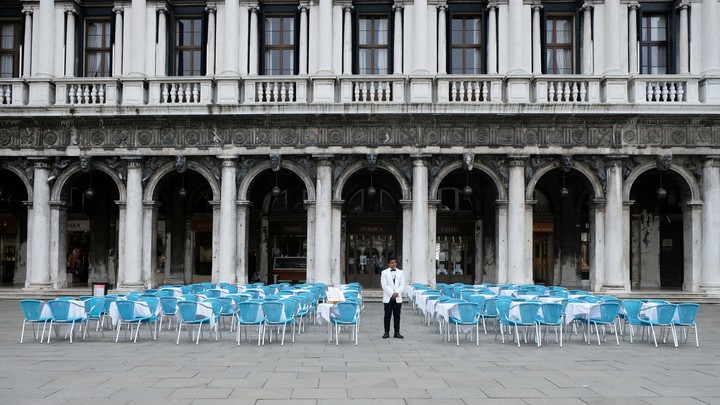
x=419, y=369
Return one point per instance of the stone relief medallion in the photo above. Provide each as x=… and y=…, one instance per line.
x=97, y=137
x=192, y=137
x=263, y=136
x=703, y=136
x=168, y=137
x=336, y=136
x=359, y=136
x=482, y=137
x=579, y=136
x=4, y=138
x=50, y=138
x=530, y=137
x=121, y=137
x=678, y=137
x=654, y=136
x=383, y=136
x=505, y=136
x=432, y=136
x=288, y=136
x=629, y=137
x=604, y=136
x=144, y=138
x=240, y=136
x=457, y=136
x=408, y=136
x=312, y=136
x=554, y=136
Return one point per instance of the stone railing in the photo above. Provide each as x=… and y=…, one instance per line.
x=13, y=92
x=464, y=89
x=275, y=89
x=87, y=91
x=181, y=91
x=372, y=89
x=650, y=89
x=566, y=89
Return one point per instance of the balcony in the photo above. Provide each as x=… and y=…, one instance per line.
x=448, y=91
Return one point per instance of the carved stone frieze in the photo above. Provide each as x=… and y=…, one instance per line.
x=118, y=165
x=498, y=166
x=404, y=165
x=152, y=165
x=597, y=164
x=243, y=167
x=211, y=164
x=437, y=162
x=58, y=166
x=339, y=165
x=307, y=164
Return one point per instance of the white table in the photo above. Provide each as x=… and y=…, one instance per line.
x=648, y=312
x=584, y=310
x=141, y=310
x=76, y=310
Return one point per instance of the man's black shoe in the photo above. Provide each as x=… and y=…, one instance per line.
x=385, y=336
x=398, y=336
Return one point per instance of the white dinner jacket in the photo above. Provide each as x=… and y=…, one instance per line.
x=390, y=286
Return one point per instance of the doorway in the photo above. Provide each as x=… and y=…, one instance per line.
x=368, y=247
x=542, y=257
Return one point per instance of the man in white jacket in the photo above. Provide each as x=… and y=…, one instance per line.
x=392, y=281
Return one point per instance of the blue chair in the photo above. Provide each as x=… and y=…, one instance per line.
x=480, y=300
x=489, y=311
x=94, y=307
x=215, y=305
x=168, y=306
x=189, y=316
x=347, y=315
x=227, y=310
x=126, y=310
x=468, y=315
x=32, y=309
x=250, y=314
x=608, y=314
x=686, y=314
x=276, y=316
x=213, y=293
x=67, y=312
x=351, y=293
x=552, y=316
x=665, y=315
x=631, y=317
x=528, y=318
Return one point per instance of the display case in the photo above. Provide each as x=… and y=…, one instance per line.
x=289, y=268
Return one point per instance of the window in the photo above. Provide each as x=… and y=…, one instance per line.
x=465, y=45
x=97, y=48
x=654, y=44
x=9, y=49
x=373, y=45
x=559, y=44
x=279, y=45
x=188, y=46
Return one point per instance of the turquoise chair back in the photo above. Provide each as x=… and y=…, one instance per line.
x=250, y=312
x=687, y=313
x=632, y=310
x=468, y=312
x=529, y=312
x=552, y=313
x=126, y=309
x=609, y=311
x=503, y=308
x=169, y=305
x=347, y=312
x=274, y=311
x=32, y=309
x=665, y=313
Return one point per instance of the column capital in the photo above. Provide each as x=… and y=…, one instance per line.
x=406, y=204
x=492, y=5
x=516, y=160
x=398, y=6
x=633, y=5
x=71, y=9
x=228, y=161
x=323, y=160
x=40, y=163
x=118, y=9
x=152, y=205
x=211, y=9
x=134, y=162
x=347, y=8
x=615, y=160
x=254, y=8
x=304, y=6
x=244, y=204
x=536, y=5
x=59, y=205
x=338, y=203
x=161, y=9
x=683, y=5
x=712, y=161
x=587, y=6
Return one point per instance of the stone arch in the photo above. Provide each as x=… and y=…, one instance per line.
x=576, y=165
x=23, y=177
x=685, y=174
x=56, y=192
x=357, y=166
x=447, y=169
x=265, y=165
x=151, y=187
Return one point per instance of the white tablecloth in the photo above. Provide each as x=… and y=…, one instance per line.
x=649, y=311
x=141, y=309
x=584, y=310
x=76, y=310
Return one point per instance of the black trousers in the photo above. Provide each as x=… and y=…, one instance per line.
x=392, y=308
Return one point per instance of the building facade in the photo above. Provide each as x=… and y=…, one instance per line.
x=573, y=143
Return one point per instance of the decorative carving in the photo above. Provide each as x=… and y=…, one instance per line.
x=151, y=166
x=372, y=161
x=23, y=164
x=497, y=164
x=436, y=164
x=598, y=165
x=307, y=164
x=339, y=166
x=118, y=165
x=243, y=166
x=629, y=165
x=86, y=164
x=566, y=163
x=403, y=165
x=275, y=161
x=664, y=162
x=58, y=167
x=211, y=164
x=180, y=164
x=468, y=160
x=532, y=166
x=694, y=165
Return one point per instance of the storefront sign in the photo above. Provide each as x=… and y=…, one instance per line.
x=289, y=228
x=202, y=225
x=371, y=229
x=455, y=229
x=544, y=227
x=78, y=225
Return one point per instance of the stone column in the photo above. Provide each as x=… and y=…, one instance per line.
x=616, y=277
x=683, y=39
x=118, y=46
x=709, y=39
x=303, y=42
x=188, y=260
x=120, y=254
x=692, y=241
x=254, y=44
x=215, y=204
x=311, y=242
x=632, y=37
x=227, y=244
x=337, y=242
x=711, y=226
x=138, y=20
x=46, y=26
x=58, y=244
x=432, y=242
x=407, y=241
x=325, y=16
x=587, y=44
x=516, y=222
x=611, y=32
x=27, y=44
x=161, y=50
x=528, y=246
x=347, y=40
x=597, y=246
x=420, y=224
x=40, y=275
x=210, y=61
x=70, y=44
x=149, y=232
x=501, y=242
x=232, y=34
x=442, y=38
x=398, y=40
x=243, y=273
x=420, y=37
x=323, y=219
x=492, y=38
x=133, y=226
x=536, y=40
x=516, y=40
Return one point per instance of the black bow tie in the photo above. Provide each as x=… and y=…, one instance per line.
x=392, y=269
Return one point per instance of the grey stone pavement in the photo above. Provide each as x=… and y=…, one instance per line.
x=419, y=369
